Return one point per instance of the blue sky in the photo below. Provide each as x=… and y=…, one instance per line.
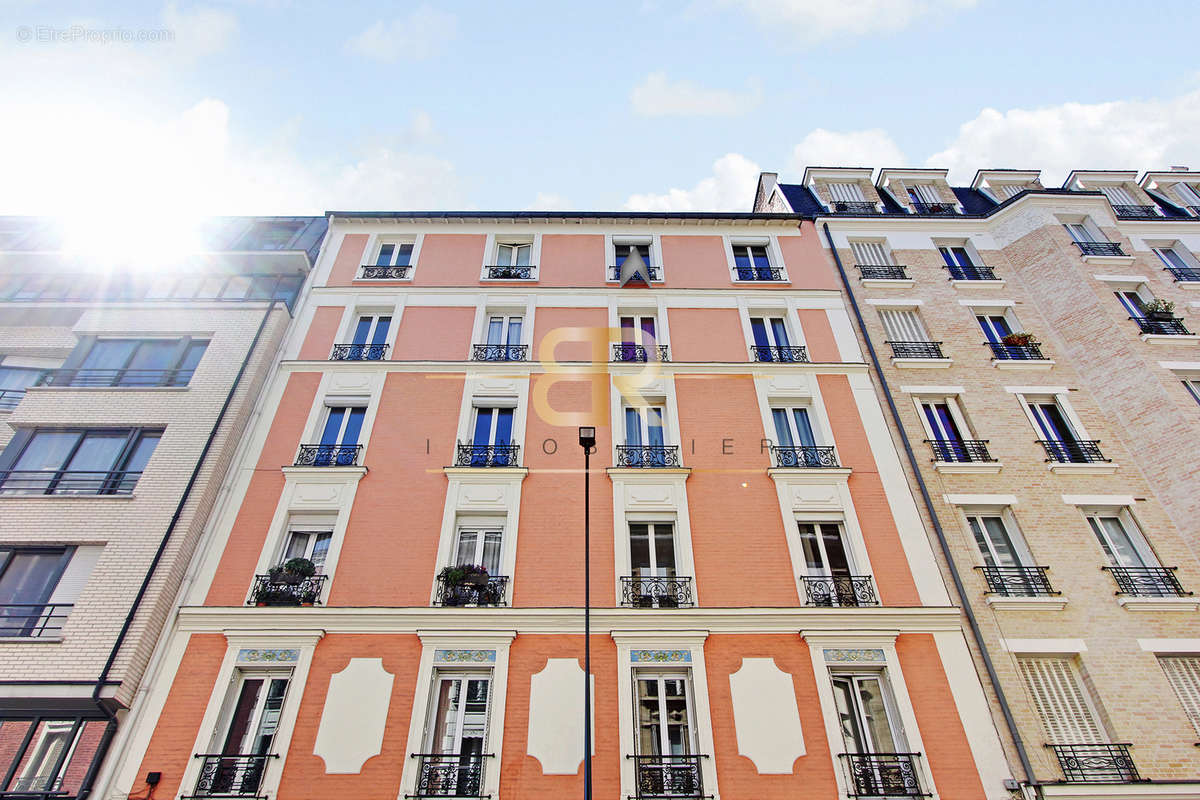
x=269, y=106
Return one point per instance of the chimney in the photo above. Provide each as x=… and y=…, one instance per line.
x=1179, y=169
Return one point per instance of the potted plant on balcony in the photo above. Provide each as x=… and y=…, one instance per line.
x=1018, y=339
x=283, y=579
x=462, y=582
x=1160, y=310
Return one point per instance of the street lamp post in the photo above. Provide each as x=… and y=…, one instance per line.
x=587, y=440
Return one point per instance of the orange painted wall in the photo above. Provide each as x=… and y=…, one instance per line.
x=694, y=262
x=430, y=333
x=738, y=777
x=521, y=775
x=572, y=260
x=304, y=775
x=449, y=259
x=318, y=340
x=170, y=749
x=707, y=334
x=818, y=335
x=946, y=749
x=231, y=583
x=737, y=534
x=389, y=555
x=896, y=586
x=590, y=344
x=808, y=265
x=550, y=542
x=349, y=259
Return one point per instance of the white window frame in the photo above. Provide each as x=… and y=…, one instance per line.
x=846, y=540
x=481, y=525
x=659, y=675
x=375, y=243
x=1034, y=397
x=1006, y=311
x=650, y=523
x=444, y=673
x=1129, y=525
x=956, y=413
x=1193, y=200
x=353, y=314
x=491, y=253
x=332, y=403
x=654, y=240
x=1088, y=226
x=1009, y=520
x=791, y=324
x=1187, y=259
x=887, y=256
x=313, y=532
x=774, y=256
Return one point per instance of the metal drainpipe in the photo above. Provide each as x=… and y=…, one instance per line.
x=85, y=788
x=937, y=526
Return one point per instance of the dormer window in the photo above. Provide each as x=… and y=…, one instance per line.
x=1003, y=191
x=1189, y=195
x=849, y=198
x=926, y=200
x=1125, y=205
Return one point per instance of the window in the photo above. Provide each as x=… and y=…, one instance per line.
x=1121, y=541
x=372, y=329
x=955, y=256
x=826, y=554
x=792, y=427
x=846, y=193
x=1179, y=261
x=924, y=194
x=946, y=426
x=514, y=255
x=491, y=441
x=639, y=338
x=1183, y=673
x=101, y=461
x=13, y=383
x=394, y=254
x=903, y=325
x=868, y=719
x=644, y=441
x=48, y=756
x=1193, y=387
x=995, y=326
x=771, y=340
x=753, y=263
x=1051, y=420
x=264, y=235
x=871, y=254
x=245, y=736
x=1189, y=195
x=28, y=578
x=644, y=248
x=652, y=556
x=1118, y=196
x=1003, y=191
x=339, y=436
x=480, y=543
x=504, y=329
x=457, y=735
x=1083, y=232
x=1133, y=302
x=137, y=362
x=1063, y=704
x=999, y=544
x=623, y=249
x=310, y=544
x=665, y=727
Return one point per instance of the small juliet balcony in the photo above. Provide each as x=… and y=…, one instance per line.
x=935, y=209
x=1100, y=249
x=34, y=620
x=883, y=272
x=1136, y=212
x=372, y=272
x=328, y=455
x=230, y=775
x=359, y=352
x=652, y=273
x=115, y=378
x=932, y=350
x=502, y=272
x=450, y=774
x=808, y=456
x=971, y=272
x=839, y=591
x=1018, y=581
x=9, y=398
x=854, y=207
x=1147, y=581
x=883, y=775
x=629, y=352
x=1096, y=763
x=499, y=352
x=471, y=590
x=674, y=777
x=488, y=455
x=656, y=591
x=1073, y=451
x=787, y=354
x=1184, y=274
x=1162, y=325
x=1017, y=351
x=280, y=589
x=960, y=451
x=770, y=274
x=648, y=456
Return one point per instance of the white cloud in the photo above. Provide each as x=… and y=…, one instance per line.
x=1123, y=134
x=549, y=201
x=199, y=31
x=657, y=96
x=809, y=21
x=416, y=36
x=868, y=148
x=729, y=188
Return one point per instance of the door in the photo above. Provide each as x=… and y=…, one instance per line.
x=666, y=736
x=1053, y=423
x=479, y=546
x=652, y=562
x=370, y=334
x=492, y=438
x=871, y=730
x=638, y=330
x=457, y=734
x=248, y=734
x=313, y=545
x=793, y=431
x=644, y=437
x=945, y=431
x=752, y=262
x=504, y=337
x=995, y=327
x=340, y=435
x=827, y=563
x=771, y=339
x=1133, y=303
x=995, y=543
x=1124, y=548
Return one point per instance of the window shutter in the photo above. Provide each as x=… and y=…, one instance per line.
x=1188, y=194
x=1183, y=673
x=871, y=253
x=75, y=576
x=927, y=193
x=846, y=192
x=1118, y=196
x=1060, y=701
x=903, y=326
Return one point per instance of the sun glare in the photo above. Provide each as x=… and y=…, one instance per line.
x=136, y=242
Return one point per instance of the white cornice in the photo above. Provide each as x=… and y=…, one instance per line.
x=522, y=369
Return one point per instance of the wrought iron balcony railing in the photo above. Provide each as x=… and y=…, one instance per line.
x=652, y=273
x=843, y=591
x=1096, y=763
x=805, y=456
x=115, y=378
x=854, y=207
x=883, y=272
x=1162, y=327
x=234, y=775
x=648, y=456
x=1147, y=581
x=1016, y=352
x=1018, y=581
x=397, y=273
x=973, y=272
x=627, y=351
x=916, y=349
x=490, y=593
x=1136, y=212
x=656, y=591
x=935, y=209
x=499, y=352
x=286, y=592
x=506, y=273
x=788, y=354
x=1073, y=451
x=1100, y=248
x=35, y=481
x=450, y=775
x=759, y=273
x=960, y=451
x=668, y=777
x=9, y=398
x=328, y=455
x=882, y=775
x=488, y=455
x=359, y=352
x=33, y=620
x=1184, y=273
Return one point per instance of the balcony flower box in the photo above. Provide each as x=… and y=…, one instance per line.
x=464, y=584
x=282, y=582
x=1020, y=339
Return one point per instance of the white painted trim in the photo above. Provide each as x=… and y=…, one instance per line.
x=1044, y=645
x=980, y=499
x=1121, y=500
x=978, y=302
x=935, y=390
x=899, y=303
x=1055, y=390
x=1170, y=645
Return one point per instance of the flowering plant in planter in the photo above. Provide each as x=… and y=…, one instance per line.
x=1160, y=309
x=292, y=571
x=1020, y=338
x=462, y=583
